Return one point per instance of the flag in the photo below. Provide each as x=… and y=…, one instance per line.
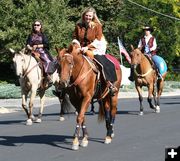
x=123, y=51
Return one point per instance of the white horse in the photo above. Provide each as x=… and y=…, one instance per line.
x=30, y=78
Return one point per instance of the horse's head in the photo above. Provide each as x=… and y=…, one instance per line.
x=65, y=60
x=136, y=56
x=19, y=62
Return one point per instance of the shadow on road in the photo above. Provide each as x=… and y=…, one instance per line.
x=52, y=140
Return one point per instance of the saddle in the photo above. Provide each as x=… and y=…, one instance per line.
x=45, y=79
x=153, y=66
x=150, y=61
x=98, y=69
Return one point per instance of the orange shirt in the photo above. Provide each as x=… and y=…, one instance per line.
x=86, y=37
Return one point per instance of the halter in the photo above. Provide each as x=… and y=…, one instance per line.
x=80, y=76
x=71, y=66
x=26, y=71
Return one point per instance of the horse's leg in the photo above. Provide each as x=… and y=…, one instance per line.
x=24, y=102
x=81, y=120
x=160, y=84
x=42, y=99
x=92, y=107
x=154, y=94
x=84, y=142
x=32, y=97
x=109, y=127
x=150, y=95
x=139, y=90
x=110, y=113
x=114, y=103
x=61, y=115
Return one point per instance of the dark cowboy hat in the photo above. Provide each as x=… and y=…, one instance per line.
x=148, y=28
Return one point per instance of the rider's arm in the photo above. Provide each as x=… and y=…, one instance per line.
x=154, y=45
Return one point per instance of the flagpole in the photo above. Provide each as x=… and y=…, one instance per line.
x=120, y=51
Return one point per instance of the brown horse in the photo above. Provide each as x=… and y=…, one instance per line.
x=146, y=75
x=80, y=80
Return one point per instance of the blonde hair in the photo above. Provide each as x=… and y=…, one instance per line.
x=95, y=17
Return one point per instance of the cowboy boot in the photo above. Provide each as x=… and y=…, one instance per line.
x=112, y=88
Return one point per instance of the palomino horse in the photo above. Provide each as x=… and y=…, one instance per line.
x=30, y=77
x=80, y=80
x=145, y=75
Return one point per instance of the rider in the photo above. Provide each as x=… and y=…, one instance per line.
x=88, y=32
x=38, y=43
x=148, y=46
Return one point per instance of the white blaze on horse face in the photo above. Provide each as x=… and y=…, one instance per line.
x=18, y=64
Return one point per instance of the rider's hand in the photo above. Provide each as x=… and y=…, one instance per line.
x=84, y=49
x=34, y=47
x=29, y=47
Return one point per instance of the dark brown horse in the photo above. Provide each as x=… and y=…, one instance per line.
x=80, y=80
x=145, y=75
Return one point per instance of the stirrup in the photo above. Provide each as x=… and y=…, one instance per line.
x=112, y=88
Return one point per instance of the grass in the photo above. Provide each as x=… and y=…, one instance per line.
x=9, y=91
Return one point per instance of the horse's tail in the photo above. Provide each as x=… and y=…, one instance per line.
x=66, y=104
x=101, y=112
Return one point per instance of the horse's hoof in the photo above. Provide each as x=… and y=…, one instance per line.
x=84, y=142
x=141, y=113
x=157, y=109
x=75, y=145
x=112, y=135
x=29, y=122
x=108, y=140
x=33, y=118
x=61, y=118
x=38, y=120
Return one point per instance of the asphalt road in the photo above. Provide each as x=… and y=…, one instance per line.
x=137, y=138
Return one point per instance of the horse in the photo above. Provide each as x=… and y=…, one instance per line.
x=81, y=81
x=146, y=75
x=30, y=78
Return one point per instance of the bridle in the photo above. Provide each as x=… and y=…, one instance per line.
x=141, y=75
x=71, y=65
x=81, y=76
x=26, y=70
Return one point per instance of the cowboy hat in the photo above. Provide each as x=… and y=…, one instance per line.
x=148, y=28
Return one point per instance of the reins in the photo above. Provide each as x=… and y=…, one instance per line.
x=142, y=75
x=28, y=71
x=82, y=76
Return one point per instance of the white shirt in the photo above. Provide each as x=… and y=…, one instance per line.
x=147, y=49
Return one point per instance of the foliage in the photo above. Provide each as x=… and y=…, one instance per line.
x=119, y=18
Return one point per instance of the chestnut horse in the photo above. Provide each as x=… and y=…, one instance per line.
x=80, y=80
x=146, y=75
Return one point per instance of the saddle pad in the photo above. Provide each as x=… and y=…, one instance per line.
x=114, y=61
x=160, y=64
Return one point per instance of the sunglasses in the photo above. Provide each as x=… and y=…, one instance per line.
x=36, y=24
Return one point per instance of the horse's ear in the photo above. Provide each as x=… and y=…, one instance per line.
x=132, y=47
x=140, y=48
x=12, y=50
x=70, y=48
